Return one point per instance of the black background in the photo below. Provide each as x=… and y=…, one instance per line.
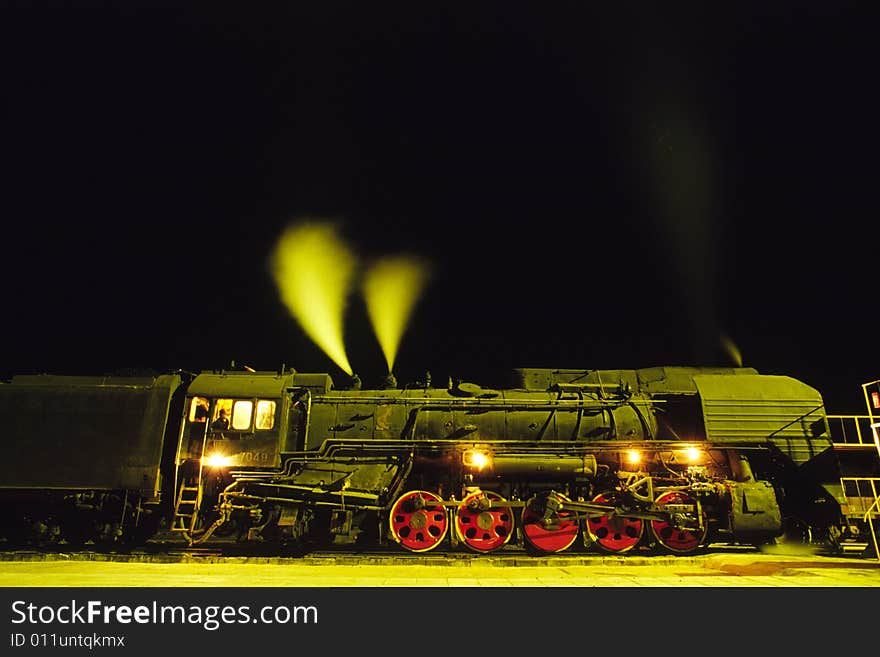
x=503, y=620
x=593, y=188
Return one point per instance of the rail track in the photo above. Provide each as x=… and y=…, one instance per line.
x=159, y=552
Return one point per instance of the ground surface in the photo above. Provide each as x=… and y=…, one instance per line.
x=770, y=568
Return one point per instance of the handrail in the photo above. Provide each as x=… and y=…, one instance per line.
x=860, y=426
x=867, y=519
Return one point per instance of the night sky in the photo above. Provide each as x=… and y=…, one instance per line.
x=593, y=189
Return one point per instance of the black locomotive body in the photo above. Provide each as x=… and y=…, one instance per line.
x=669, y=458
x=85, y=457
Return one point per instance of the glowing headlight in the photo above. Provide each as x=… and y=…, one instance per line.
x=633, y=456
x=474, y=458
x=216, y=460
x=693, y=454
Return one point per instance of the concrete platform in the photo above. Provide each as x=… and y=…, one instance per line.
x=726, y=569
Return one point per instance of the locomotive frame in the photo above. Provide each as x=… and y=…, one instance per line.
x=618, y=461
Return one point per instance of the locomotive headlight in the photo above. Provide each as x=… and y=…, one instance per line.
x=693, y=454
x=474, y=458
x=217, y=460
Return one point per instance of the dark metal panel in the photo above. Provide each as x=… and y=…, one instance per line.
x=756, y=408
x=321, y=420
x=525, y=424
x=541, y=379
x=69, y=432
x=681, y=380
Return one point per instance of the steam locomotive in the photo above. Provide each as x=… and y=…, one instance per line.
x=665, y=458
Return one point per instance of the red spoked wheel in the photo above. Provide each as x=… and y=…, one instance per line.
x=547, y=526
x=482, y=528
x=680, y=540
x=612, y=533
x=418, y=521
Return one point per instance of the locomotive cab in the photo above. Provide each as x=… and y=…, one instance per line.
x=235, y=420
x=235, y=426
x=230, y=431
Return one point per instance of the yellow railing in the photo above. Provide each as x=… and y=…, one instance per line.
x=851, y=430
x=873, y=512
x=863, y=503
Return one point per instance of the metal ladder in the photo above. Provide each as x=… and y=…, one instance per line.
x=186, y=508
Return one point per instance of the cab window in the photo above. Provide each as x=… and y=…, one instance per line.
x=242, y=411
x=198, y=409
x=243, y=416
x=265, y=414
x=224, y=405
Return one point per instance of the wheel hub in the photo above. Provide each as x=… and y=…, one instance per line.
x=418, y=520
x=485, y=520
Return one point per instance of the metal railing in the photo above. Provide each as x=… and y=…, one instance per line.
x=849, y=430
x=863, y=503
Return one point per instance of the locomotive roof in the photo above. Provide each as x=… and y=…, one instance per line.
x=256, y=384
x=58, y=380
x=668, y=379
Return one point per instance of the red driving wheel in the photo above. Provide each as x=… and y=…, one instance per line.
x=418, y=521
x=549, y=532
x=679, y=540
x=613, y=533
x=481, y=527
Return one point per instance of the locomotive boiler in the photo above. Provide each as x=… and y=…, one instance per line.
x=664, y=458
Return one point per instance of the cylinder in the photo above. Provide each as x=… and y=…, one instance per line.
x=539, y=467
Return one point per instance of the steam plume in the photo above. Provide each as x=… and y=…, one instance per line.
x=314, y=270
